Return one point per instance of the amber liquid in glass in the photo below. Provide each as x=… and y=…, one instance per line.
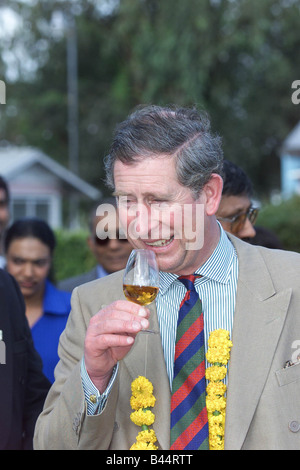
x=142, y=295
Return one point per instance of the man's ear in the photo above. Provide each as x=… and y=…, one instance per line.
x=213, y=193
x=90, y=243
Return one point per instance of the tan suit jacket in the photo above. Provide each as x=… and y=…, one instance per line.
x=263, y=405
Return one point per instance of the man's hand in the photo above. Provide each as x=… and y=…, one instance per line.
x=110, y=336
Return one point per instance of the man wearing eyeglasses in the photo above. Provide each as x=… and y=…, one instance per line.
x=109, y=248
x=236, y=213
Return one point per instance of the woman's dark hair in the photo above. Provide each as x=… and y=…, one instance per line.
x=30, y=227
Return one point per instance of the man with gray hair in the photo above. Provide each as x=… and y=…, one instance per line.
x=163, y=162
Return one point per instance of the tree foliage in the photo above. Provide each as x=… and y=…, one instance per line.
x=235, y=59
x=283, y=220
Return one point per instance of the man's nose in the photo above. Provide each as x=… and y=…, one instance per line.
x=144, y=222
x=28, y=269
x=114, y=243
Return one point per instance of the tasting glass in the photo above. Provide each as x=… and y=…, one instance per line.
x=141, y=278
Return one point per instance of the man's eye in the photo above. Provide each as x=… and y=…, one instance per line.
x=41, y=262
x=17, y=261
x=158, y=202
x=125, y=201
x=161, y=205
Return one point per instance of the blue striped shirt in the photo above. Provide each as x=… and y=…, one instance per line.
x=217, y=290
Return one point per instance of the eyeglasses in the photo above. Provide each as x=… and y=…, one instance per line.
x=105, y=241
x=238, y=221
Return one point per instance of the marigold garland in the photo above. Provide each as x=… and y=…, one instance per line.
x=141, y=400
x=218, y=353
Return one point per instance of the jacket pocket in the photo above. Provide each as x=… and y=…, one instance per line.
x=288, y=375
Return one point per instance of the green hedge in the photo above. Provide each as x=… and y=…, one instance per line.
x=284, y=220
x=72, y=255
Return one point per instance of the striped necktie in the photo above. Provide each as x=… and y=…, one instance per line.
x=189, y=426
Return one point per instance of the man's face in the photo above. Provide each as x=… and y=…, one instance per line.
x=4, y=211
x=110, y=252
x=150, y=200
x=231, y=206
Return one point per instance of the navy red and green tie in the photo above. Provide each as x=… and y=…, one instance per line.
x=189, y=425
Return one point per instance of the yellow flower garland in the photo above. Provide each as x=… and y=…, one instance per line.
x=219, y=346
x=141, y=400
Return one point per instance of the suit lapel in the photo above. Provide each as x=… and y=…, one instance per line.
x=258, y=321
x=149, y=361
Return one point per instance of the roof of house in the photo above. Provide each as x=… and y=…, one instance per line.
x=14, y=160
x=291, y=144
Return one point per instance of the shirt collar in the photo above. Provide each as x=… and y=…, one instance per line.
x=101, y=271
x=217, y=267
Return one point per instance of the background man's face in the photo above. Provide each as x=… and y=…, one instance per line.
x=110, y=252
x=229, y=207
